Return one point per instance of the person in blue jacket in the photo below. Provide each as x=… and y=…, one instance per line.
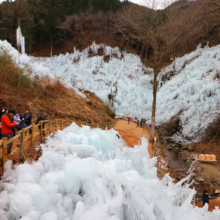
x=205, y=197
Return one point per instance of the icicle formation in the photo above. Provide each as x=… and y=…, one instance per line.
x=20, y=40
x=91, y=174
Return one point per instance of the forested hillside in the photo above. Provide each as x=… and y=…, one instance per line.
x=68, y=24
x=40, y=19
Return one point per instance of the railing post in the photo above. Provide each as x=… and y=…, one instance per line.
x=22, y=135
x=32, y=135
x=4, y=151
x=49, y=123
x=56, y=124
x=41, y=132
x=62, y=124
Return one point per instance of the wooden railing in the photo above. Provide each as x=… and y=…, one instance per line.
x=50, y=125
x=57, y=124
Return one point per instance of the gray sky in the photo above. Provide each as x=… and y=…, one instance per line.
x=156, y=4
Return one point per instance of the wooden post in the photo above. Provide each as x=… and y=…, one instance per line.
x=4, y=151
x=32, y=135
x=62, y=124
x=41, y=132
x=56, y=124
x=22, y=135
x=155, y=141
x=49, y=126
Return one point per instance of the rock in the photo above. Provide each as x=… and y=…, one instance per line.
x=168, y=139
x=199, y=169
x=184, y=147
x=178, y=178
x=190, y=148
x=213, y=180
x=199, y=180
x=179, y=145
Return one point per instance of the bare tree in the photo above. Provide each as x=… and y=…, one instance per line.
x=158, y=34
x=15, y=7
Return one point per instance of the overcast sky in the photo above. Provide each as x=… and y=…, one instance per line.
x=156, y=4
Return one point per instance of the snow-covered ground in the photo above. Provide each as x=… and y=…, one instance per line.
x=189, y=87
x=90, y=174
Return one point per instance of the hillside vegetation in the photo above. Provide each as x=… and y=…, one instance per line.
x=68, y=24
x=45, y=95
x=40, y=19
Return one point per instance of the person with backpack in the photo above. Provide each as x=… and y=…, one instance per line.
x=7, y=127
x=41, y=118
x=27, y=119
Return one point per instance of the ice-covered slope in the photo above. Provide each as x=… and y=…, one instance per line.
x=123, y=76
x=193, y=91
x=90, y=174
x=189, y=88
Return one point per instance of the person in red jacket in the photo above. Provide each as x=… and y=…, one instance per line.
x=7, y=125
x=129, y=120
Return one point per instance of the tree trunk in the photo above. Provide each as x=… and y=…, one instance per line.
x=153, y=117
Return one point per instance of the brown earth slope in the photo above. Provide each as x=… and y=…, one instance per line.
x=40, y=95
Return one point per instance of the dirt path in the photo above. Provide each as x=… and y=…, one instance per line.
x=212, y=204
x=132, y=134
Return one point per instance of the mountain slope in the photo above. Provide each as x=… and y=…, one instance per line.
x=44, y=94
x=189, y=87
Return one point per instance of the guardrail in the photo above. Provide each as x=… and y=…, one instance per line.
x=57, y=124
x=51, y=124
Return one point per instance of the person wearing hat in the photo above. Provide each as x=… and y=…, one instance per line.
x=7, y=125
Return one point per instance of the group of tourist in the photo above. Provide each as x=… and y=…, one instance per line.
x=139, y=122
x=10, y=121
